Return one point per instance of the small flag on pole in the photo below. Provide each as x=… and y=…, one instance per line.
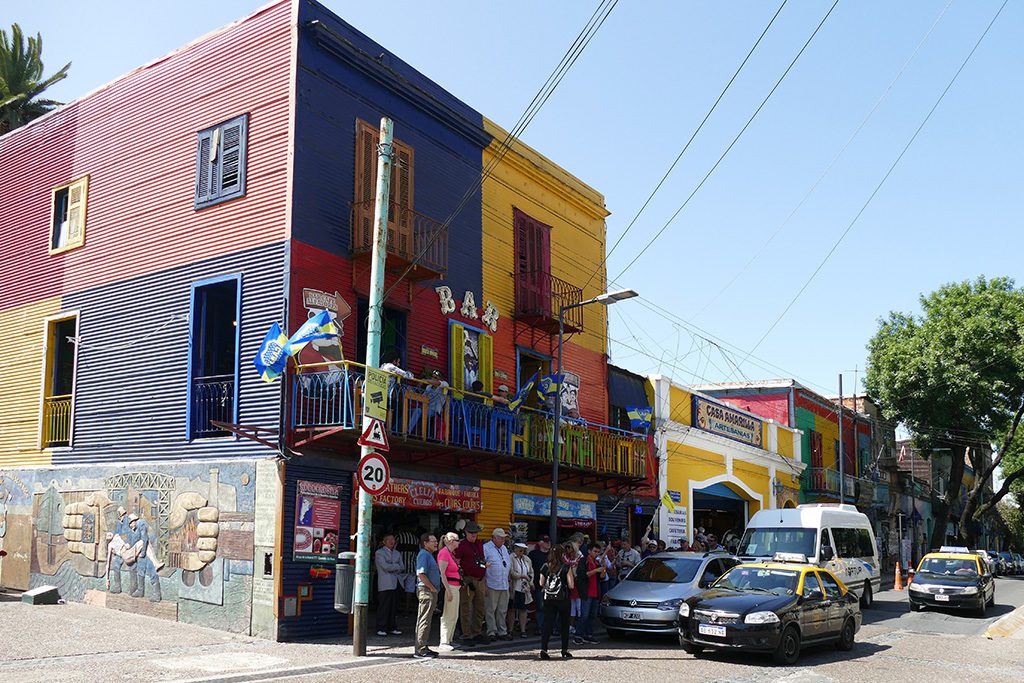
x=524, y=391
x=272, y=356
x=667, y=501
x=639, y=417
x=549, y=386
x=320, y=326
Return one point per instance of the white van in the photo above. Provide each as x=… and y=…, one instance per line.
x=834, y=536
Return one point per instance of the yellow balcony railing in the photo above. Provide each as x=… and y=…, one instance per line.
x=57, y=420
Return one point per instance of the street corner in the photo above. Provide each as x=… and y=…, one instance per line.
x=1009, y=626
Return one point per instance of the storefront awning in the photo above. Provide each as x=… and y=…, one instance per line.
x=720, y=491
x=625, y=389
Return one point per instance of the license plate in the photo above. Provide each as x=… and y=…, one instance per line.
x=941, y=598
x=709, y=630
x=632, y=616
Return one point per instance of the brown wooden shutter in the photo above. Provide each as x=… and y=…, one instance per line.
x=400, y=194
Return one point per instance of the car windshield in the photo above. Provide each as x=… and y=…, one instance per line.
x=665, y=570
x=949, y=566
x=767, y=541
x=777, y=581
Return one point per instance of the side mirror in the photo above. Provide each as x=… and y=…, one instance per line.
x=826, y=554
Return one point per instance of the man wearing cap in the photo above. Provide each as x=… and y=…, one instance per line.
x=498, y=564
x=472, y=594
x=626, y=559
x=139, y=537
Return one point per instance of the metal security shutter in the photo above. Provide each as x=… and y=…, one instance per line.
x=497, y=509
x=318, y=619
x=612, y=520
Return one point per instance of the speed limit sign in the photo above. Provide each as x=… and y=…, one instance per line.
x=373, y=473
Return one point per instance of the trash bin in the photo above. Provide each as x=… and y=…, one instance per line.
x=344, y=582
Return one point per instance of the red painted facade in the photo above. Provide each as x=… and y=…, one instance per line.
x=136, y=140
x=772, y=406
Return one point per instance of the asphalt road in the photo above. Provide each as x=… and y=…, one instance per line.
x=77, y=642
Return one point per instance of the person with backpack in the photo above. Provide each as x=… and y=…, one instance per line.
x=556, y=580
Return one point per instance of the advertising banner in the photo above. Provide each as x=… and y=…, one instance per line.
x=317, y=518
x=428, y=495
x=717, y=419
x=540, y=506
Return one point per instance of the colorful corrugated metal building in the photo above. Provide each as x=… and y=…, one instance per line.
x=158, y=226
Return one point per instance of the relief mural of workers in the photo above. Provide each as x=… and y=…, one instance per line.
x=131, y=546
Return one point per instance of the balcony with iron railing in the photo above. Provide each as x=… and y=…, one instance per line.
x=413, y=240
x=56, y=421
x=327, y=402
x=213, y=400
x=540, y=295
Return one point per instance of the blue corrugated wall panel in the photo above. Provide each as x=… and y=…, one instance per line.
x=318, y=620
x=131, y=381
x=446, y=135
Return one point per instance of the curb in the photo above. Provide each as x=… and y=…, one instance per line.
x=1007, y=626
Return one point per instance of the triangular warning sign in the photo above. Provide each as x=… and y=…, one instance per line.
x=374, y=436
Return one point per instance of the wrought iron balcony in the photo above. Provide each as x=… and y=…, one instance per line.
x=57, y=421
x=329, y=401
x=540, y=295
x=413, y=240
x=825, y=481
x=213, y=400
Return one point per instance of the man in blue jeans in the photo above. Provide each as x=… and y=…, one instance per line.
x=538, y=558
x=590, y=596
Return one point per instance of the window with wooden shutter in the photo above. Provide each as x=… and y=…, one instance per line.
x=68, y=209
x=816, y=449
x=471, y=357
x=220, y=162
x=533, y=265
x=400, y=198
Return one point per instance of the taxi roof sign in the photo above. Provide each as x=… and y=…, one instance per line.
x=790, y=557
x=955, y=549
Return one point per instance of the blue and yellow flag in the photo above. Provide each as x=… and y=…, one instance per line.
x=549, y=386
x=640, y=417
x=320, y=326
x=524, y=391
x=272, y=357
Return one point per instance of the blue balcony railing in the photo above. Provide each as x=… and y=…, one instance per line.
x=331, y=397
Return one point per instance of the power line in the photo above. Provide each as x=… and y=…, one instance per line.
x=882, y=182
x=733, y=143
x=689, y=142
x=828, y=168
x=581, y=42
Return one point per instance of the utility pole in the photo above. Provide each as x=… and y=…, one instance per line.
x=361, y=598
x=842, y=479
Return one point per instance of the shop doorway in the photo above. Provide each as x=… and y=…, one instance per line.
x=528, y=363
x=720, y=511
x=393, y=333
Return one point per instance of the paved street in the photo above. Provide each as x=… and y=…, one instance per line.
x=76, y=642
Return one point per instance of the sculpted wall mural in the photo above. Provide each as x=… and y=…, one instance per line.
x=174, y=541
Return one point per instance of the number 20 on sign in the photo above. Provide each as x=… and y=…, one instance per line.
x=373, y=473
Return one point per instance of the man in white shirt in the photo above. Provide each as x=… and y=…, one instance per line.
x=393, y=366
x=627, y=558
x=498, y=568
x=390, y=565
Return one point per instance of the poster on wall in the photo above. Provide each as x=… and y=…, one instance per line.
x=317, y=519
x=732, y=424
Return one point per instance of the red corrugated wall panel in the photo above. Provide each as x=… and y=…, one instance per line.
x=136, y=139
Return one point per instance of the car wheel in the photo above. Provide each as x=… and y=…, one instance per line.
x=992, y=600
x=867, y=598
x=846, y=636
x=690, y=648
x=788, y=650
x=981, y=609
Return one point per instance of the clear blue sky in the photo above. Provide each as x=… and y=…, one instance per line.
x=950, y=211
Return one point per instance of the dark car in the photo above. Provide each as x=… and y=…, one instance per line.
x=952, y=578
x=772, y=607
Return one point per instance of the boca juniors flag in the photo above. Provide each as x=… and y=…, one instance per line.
x=639, y=416
x=273, y=354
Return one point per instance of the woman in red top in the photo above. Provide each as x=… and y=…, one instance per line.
x=591, y=598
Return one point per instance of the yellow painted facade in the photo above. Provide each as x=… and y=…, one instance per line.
x=23, y=347
x=496, y=497
x=696, y=462
x=528, y=181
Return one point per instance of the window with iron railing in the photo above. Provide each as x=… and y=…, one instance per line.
x=213, y=366
x=60, y=380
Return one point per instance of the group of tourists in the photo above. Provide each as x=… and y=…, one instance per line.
x=487, y=590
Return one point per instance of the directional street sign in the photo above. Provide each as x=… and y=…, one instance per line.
x=373, y=473
x=375, y=436
x=375, y=394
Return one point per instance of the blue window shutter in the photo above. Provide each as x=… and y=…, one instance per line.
x=204, y=191
x=231, y=158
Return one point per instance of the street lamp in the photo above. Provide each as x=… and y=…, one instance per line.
x=606, y=299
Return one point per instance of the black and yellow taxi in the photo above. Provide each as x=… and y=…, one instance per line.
x=952, y=577
x=774, y=607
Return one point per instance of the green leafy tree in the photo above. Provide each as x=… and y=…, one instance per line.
x=954, y=376
x=21, y=79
